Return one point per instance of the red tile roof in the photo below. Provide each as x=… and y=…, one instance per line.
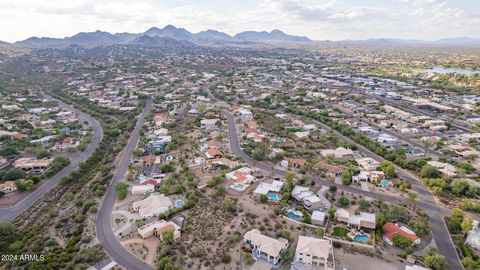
x=390, y=229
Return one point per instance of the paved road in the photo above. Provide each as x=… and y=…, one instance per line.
x=428, y=203
x=10, y=213
x=104, y=218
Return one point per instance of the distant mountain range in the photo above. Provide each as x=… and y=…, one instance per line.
x=462, y=41
x=169, y=35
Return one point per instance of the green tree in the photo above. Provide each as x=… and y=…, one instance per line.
x=228, y=205
x=428, y=171
x=166, y=168
x=402, y=241
x=412, y=195
x=167, y=237
x=164, y=263
x=344, y=201
x=121, y=190
x=248, y=257
x=320, y=231
x=467, y=224
x=455, y=221
x=347, y=175
x=263, y=198
x=12, y=174
x=435, y=261
x=363, y=204
x=43, y=153
x=388, y=168
x=459, y=186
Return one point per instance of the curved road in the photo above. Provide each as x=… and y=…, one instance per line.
x=428, y=203
x=103, y=224
x=10, y=213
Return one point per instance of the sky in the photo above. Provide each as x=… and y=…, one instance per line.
x=317, y=19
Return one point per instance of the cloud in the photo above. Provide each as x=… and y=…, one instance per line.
x=318, y=19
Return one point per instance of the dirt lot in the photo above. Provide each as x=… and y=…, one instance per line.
x=359, y=261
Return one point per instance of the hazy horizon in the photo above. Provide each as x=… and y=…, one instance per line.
x=319, y=20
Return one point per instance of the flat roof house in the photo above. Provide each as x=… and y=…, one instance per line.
x=142, y=189
x=264, y=188
x=158, y=228
x=209, y=124
x=29, y=163
x=314, y=251
x=304, y=195
x=340, y=153
x=265, y=247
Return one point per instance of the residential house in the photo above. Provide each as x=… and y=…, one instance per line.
x=153, y=147
x=473, y=236
x=245, y=114
x=313, y=251
x=445, y=168
x=142, y=189
x=212, y=153
x=32, y=164
x=8, y=186
x=148, y=160
x=219, y=162
x=264, y=247
x=209, y=124
x=368, y=176
x=242, y=175
x=367, y=163
x=66, y=144
x=391, y=229
x=318, y=218
x=305, y=196
x=296, y=162
x=363, y=220
x=415, y=267
x=264, y=188
x=331, y=171
x=158, y=228
x=153, y=205
x=340, y=153
x=302, y=134
x=44, y=140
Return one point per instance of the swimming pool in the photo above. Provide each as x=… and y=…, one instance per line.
x=238, y=187
x=361, y=237
x=272, y=197
x=179, y=203
x=292, y=214
x=385, y=183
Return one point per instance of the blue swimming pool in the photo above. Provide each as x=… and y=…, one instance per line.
x=272, y=197
x=385, y=183
x=293, y=215
x=361, y=237
x=179, y=203
x=238, y=187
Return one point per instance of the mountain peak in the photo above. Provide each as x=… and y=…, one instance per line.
x=170, y=27
x=169, y=34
